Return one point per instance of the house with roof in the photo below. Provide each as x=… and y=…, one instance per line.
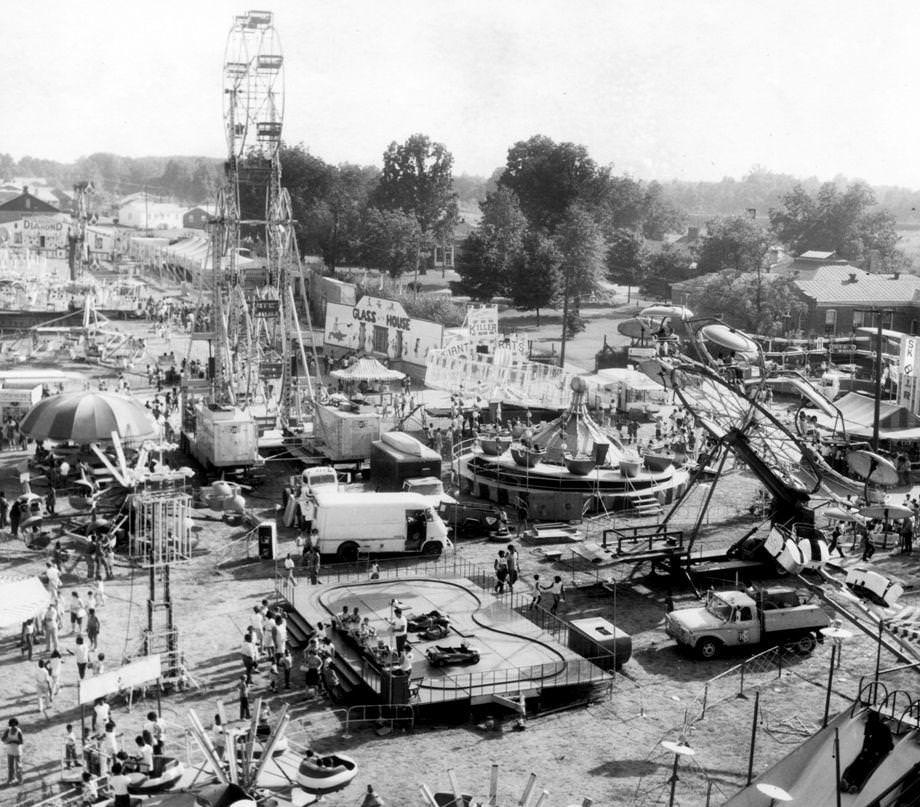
x=26, y=205
x=196, y=218
x=841, y=297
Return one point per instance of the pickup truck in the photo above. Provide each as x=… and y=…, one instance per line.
x=734, y=619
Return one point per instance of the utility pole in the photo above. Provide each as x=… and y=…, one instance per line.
x=565, y=317
x=878, y=382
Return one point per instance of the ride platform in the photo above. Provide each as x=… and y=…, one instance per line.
x=516, y=656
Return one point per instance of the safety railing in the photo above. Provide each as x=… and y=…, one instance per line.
x=770, y=661
x=379, y=714
x=571, y=672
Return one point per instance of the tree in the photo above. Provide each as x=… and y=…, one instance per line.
x=842, y=221
x=392, y=241
x=6, y=167
x=626, y=260
x=536, y=276
x=417, y=179
x=659, y=215
x=581, y=245
x=732, y=243
x=666, y=267
x=548, y=177
x=490, y=253
x=732, y=295
x=334, y=223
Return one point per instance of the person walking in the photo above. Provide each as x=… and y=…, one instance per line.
x=54, y=671
x=249, y=654
x=834, y=543
x=15, y=516
x=51, y=501
x=12, y=741
x=42, y=687
x=536, y=596
x=27, y=640
x=77, y=612
x=558, y=591
x=81, y=656
x=289, y=569
x=243, y=688
x=514, y=568
x=314, y=565
x=500, y=565
x=92, y=629
x=4, y=511
x=52, y=628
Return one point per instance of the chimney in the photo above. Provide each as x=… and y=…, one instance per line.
x=896, y=276
x=25, y=188
x=693, y=233
x=852, y=277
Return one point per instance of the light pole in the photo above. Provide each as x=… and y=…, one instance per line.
x=837, y=635
x=679, y=750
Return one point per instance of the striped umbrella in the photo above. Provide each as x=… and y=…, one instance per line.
x=89, y=417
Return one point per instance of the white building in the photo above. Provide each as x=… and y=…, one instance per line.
x=147, y=214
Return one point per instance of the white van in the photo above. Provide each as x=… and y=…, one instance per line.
x=377, y=522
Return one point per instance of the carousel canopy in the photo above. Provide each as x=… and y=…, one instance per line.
x=574, y=432
x=89, y=417
x=368, y=369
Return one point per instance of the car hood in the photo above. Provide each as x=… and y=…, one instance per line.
x=694, y=619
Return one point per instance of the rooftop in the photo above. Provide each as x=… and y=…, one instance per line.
x=844, y=284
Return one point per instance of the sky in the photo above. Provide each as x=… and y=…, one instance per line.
x=695, y=90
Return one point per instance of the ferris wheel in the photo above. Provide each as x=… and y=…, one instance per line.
x=253, y=86
x=256, y=321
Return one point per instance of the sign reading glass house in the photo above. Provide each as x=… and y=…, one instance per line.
x=376, y=325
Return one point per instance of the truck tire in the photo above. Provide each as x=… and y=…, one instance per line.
x=433, y=549
x=347, y=552
x=805, y=644
x=708, y=648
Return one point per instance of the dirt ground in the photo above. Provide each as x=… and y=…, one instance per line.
x=609, y=752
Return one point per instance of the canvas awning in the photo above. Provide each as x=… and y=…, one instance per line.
x=631, y=379
x=368, y=369
x=21, y=600
x=896, y=422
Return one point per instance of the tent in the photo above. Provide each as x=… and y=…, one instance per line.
x=632, y=379
x=368, y=369
x=858, y=411
x=20, y=600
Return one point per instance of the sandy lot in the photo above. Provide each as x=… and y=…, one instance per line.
x=609, y=752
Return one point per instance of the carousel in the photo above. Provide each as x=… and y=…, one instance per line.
x=566, y=468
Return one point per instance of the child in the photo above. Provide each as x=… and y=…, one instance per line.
x=90, y=600
x=537, y=595
x=273, y=677
x=100, y=591
x=99, y=664
x=70, y=748
x=89, y=790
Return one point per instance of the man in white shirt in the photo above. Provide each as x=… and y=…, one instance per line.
x=400, y=629
x=119, y=784
x=54, y=578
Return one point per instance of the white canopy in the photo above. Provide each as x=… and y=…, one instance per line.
x=21, y=600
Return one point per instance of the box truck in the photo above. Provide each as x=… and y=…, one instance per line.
x=349, y=523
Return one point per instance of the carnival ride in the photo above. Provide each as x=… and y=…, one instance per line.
x=259, y=355
x=565, y=469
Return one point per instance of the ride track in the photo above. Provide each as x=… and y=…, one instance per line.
x=479, y=605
